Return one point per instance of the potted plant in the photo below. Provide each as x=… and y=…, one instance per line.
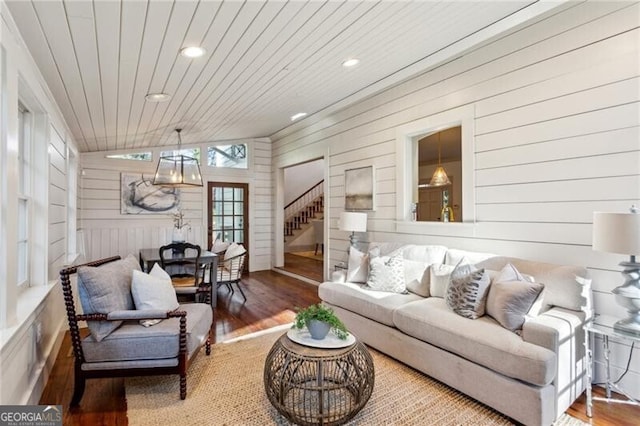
x=319, y=320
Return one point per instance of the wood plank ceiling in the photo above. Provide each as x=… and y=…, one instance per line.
x=264, y=61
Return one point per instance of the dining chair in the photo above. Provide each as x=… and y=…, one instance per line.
x=230, y=269
x=182, y=262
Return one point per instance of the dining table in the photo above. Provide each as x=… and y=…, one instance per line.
x=150, y=256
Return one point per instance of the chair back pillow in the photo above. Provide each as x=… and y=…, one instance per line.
x=153, y=291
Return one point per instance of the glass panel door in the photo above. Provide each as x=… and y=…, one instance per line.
x=228, y=213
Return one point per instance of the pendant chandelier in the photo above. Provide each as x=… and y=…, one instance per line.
x=178, y=170
x=439, y=177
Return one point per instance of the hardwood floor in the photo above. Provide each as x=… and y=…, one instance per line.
x=271, y=301
x=303, y=266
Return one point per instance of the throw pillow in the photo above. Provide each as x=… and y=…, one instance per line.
x=387, y=274
x=234, y=250
x=153, y=291
x=439, y=277
x=416, y=277
x=219, y=246
x=466, y=293
x=358, y=266
x=105, y=289
x=509, y=301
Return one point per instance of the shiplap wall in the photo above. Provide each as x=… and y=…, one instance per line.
x=58, y=203
x=107, y=232
x=556, y=138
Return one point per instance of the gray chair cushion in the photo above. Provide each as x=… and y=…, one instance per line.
x=482, y=341
x=105, y=289
x=133, y=341
x=375, y=305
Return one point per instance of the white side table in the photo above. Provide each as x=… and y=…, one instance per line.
x=603, y=325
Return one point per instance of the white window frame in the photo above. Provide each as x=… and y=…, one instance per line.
x=407, y=172
x=247, y=155
x=25, y=191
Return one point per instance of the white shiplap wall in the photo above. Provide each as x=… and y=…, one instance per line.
x=556, y=137
x=58, y=203
x=107, y=232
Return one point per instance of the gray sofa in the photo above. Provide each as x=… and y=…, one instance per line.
x=532, y=376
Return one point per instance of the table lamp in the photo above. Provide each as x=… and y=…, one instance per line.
x=353, y=222
x=620, y=233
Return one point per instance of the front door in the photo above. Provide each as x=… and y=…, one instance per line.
x=228, y=213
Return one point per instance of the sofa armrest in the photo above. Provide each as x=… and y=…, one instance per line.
x=552, y=328
x=137, y=315
x=561, y=331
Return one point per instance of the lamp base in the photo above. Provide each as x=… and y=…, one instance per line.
x=628, y=296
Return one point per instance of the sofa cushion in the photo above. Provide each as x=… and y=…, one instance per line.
x=467, y=291
x=105, y=289
x=482, y=341
x=423, y=253
x=387, y=274
x=375, y=305
x=133, y=341
x=463, y=257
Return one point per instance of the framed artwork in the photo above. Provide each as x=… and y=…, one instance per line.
x=359, y=189
x=140, y=196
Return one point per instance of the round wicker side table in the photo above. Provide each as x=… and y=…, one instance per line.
x=313, y=386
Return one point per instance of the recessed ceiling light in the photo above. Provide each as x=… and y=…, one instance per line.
x=351, y=62
x=192, y=52
x=294, y=117
x=157, y=97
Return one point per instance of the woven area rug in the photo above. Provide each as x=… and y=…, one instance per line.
x=226, y=388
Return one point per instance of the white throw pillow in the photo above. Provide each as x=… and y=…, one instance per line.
x=439, y=277
x=387, y=274
x=219, y=246
x=358, y=266
x=416, y=277
x=234, y=250
x=153, y=291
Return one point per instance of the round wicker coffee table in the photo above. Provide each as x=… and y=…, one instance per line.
x=315, y=386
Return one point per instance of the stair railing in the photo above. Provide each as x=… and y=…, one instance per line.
x=303, y=200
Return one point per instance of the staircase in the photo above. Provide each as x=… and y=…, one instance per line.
x=299, y=213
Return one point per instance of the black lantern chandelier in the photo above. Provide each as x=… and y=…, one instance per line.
x=178, y=170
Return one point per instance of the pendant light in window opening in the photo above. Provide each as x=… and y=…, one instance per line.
x=439, y=177
x=178, y=170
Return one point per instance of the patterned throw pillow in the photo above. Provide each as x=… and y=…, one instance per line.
x=466, y=293
x=387, y=274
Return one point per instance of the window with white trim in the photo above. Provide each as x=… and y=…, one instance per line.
x=25, y=168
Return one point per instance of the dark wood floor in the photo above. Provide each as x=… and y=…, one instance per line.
x=303, y=266
x=271, y=301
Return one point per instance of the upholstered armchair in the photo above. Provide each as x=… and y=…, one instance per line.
x=123, y=340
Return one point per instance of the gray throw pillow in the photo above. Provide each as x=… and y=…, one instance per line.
x=466, y=293
x=387, y=274
x=105, y=289
x=509, y=301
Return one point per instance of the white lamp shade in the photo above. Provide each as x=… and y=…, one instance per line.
x=353, y=222
x=616, y=232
